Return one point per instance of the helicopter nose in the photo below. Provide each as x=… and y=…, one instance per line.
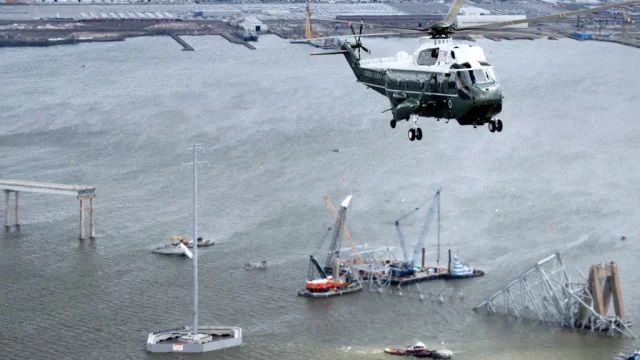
x=487, y=94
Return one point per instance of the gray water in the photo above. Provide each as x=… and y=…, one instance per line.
x=562, y=176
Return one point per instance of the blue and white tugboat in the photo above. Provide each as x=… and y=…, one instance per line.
x=459, y=271
x=634, y=356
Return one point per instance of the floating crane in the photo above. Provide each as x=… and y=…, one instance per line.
x=335, y=244
x=408, y=266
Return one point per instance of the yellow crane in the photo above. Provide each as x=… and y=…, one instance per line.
x=347, y=235
x=307, y=30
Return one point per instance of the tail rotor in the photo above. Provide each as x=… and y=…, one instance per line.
x=358, y=44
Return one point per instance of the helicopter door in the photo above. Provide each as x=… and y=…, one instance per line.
x=463, y=83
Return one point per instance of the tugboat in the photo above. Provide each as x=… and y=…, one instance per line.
x=459, y=271
x=633, y=356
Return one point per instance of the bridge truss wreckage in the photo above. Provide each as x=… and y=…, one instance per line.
x=547, y=293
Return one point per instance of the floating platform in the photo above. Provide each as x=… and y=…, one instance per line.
x=209, y=338
x=332, y=293
x=439, y=273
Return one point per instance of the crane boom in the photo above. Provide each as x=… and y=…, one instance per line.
x=402, y=242
x=334, y=249
x=425, y=228
x=345, y=232
x=318, y=267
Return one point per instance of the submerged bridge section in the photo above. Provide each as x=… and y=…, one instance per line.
x=83, y=193
x=547, y=293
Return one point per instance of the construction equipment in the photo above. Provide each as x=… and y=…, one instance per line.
x=313, y=264
x=335, y=245
x=409, y=264
x=325, y=283
x=308, y=32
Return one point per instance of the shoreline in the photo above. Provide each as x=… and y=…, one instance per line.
x=40, y=33
x=37, y=33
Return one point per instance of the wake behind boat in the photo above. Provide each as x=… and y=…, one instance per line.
x=174, y=248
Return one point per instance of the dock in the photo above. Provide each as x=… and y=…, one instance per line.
x=235, y=40
x=179, y=40
x=84, y=194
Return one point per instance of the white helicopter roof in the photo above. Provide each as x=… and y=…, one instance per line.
x=447, y=54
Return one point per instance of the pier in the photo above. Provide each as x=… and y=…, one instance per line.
x=235, y=40
x=86, y=195
x=179, y=40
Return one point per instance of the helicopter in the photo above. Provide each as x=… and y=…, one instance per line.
x=441, y=79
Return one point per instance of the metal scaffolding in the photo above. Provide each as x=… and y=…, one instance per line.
x=547, y=293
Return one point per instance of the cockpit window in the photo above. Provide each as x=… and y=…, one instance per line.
x=427, y=57
x=477, y=76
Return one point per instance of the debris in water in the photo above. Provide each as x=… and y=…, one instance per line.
x=623, y=238
x=255, y=265
x=336, y=150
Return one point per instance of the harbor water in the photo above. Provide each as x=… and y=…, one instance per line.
x=281, y=129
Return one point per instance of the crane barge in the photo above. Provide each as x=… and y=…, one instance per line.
x=321, y=285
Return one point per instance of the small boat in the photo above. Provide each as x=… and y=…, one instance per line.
x=174, y=248
x=418, y=349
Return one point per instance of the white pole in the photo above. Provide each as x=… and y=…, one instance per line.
x=195, y=241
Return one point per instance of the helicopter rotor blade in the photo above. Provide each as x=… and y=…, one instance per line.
x=293, y=41
x=352, y=30
x=549, y=17
x=373, y=25
x=329, y=53
x=453, y=11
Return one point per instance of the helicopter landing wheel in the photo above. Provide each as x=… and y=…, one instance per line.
x=393, y=123
x=412, y=134
x=499, y=125
x=418, y=134
x=491, y=125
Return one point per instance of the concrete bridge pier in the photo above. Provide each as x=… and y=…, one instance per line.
x=92, y=230
x=7, y=209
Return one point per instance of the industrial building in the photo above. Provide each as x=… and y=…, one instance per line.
x=473, y=16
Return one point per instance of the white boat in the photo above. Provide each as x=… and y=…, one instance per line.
x=459, y=271
x=174, y=248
